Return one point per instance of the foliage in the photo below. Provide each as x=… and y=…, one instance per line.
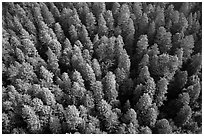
x=101, y=67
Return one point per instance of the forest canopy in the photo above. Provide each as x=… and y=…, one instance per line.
x=101, y=68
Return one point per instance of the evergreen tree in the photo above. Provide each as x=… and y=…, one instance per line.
x=97, y=89
x=55, y=125
x=52, y=61
x=55, y=11
x=109, y=20
x=102, y=28
x=98, y=8
x=110, y=87
x=47, y=96
x=160, y=18
x=90, y=23
x=66, y=82
x=163, y=127
x=33, y=122
x=96, y=68
x=163, y=39
x=184, y=115
x=73, y=33
x=143, y=24
x=187, y=44
x=162, y=86
x=59, y=32
x=72, y=118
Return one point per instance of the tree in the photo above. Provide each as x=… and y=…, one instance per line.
x=145, y=130
x=56, y=47
x=47, y=15
x=143, y=23
x=55, y=11
x=110, y=87
x=147, y=112
x=19, y=54
x=77, y=93
x=187, y=44
x=98, y=8
x=141, y=47
x=72, y=118
x=163, y=126
x=88, y=73
x=97, y=89
x=90, y=23
x=46, y=75
x=160, y=17
x=47, y=96
x=124, y=62
x=102, y=28
x=59, y=33
x=6, y=124
x=29, y=48
x=162, y=86
x=183, y=116
x=96, y=68
x=131, y=117
x=143, y=75
x=86, y=55
x=150, y=86
x=194, y=91
x=151, y=31
x=88, y=101
x=144, y=102
x=73, y=33
x=109, y=20
x=195, y=65
x=55, y=125
x=52, y=61
x=115, y=10
x=163, y=39
x=76, y=77
x=33, y=122
x=144, y=61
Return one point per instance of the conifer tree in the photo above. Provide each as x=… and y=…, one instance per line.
x=66, y=82
x=55, y=125
x=52, y=61
x=55, y=11
x=33, y=122
x=46, y=96
x=151, y=31
x=143, y=23
x=73, y=33
x=96, y=68
x=98, y=8
x=184, y=115
x=160, y=18
x=72, y=117
x=110, y=87
x=90, y=23
x=102, y=28
x=187, y=44
x=162, y=86
x=59, y=33
x=163, y=127
x=163, y=39
x=76, y=77
x=109, y=20
x=145, y=130
x=142, y=45
x=115, y=10
x=97, y=89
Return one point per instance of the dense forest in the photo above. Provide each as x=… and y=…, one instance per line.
x=101, y=68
